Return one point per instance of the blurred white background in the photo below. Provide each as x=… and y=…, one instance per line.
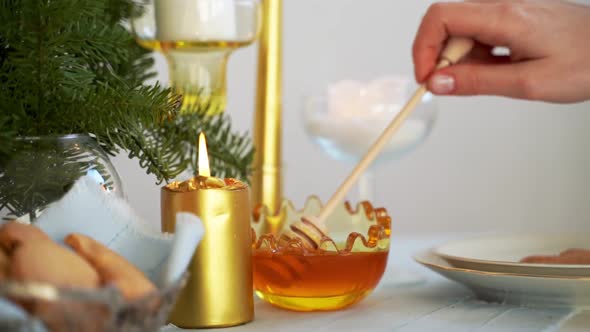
x=491, y=164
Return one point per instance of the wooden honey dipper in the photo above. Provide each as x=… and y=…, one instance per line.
x=455, y=49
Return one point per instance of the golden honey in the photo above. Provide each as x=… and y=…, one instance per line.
x=307, y=265
x=326, y=281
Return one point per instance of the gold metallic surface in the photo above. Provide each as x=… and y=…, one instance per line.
x=219, y=291
x=267, y=175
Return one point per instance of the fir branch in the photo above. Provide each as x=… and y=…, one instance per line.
x=55, y=166
x=69, y=66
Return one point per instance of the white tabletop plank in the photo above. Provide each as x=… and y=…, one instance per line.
x=525, y=319
x=577, y=322
x=412, y=298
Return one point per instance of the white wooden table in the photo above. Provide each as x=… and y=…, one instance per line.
x=412, y=298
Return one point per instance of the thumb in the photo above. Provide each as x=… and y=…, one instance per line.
x=480, y=79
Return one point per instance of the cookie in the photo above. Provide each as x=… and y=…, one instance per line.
x=14, y=233
x=569, y=256
x=48, y=262
x=4, y=264
x=112, y=268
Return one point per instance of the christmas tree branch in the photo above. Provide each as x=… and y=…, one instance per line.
x=69, y=66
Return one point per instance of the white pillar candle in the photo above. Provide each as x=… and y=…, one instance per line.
x=190, y=20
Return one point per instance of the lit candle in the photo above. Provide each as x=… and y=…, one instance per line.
x=203, y=159
x=190, y=20
x=219, y=290
x=204, y=180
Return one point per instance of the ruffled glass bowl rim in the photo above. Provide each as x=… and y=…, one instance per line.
x=374, y=237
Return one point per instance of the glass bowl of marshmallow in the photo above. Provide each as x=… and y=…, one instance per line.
x=347, y=116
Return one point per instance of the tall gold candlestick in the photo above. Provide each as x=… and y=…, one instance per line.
x=267, y=175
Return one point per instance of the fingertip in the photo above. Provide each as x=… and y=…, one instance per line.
x=417, y=78
x=418, y=74
x=424, y=64
x=428, y=42
x=421, y=75
x=466, y=79
x=442, y=84
x=425, y=53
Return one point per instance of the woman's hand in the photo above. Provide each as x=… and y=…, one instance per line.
x=548, y=40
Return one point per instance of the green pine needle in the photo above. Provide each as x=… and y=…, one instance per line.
x=69, y=66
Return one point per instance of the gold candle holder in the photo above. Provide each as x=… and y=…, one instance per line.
x=267, y=188
x=219, y=290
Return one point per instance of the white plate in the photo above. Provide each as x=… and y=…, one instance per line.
x=503, y=253
x=513, y=288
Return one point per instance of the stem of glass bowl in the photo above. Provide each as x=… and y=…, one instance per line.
x=200, y=79
x=366, y=186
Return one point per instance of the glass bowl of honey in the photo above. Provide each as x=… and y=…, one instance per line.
x=303, y=266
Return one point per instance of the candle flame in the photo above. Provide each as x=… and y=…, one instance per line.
x=203, y=158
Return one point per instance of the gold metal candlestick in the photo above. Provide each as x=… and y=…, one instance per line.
x=267, y=176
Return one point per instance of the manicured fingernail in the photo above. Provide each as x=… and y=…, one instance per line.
x=442, y=84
